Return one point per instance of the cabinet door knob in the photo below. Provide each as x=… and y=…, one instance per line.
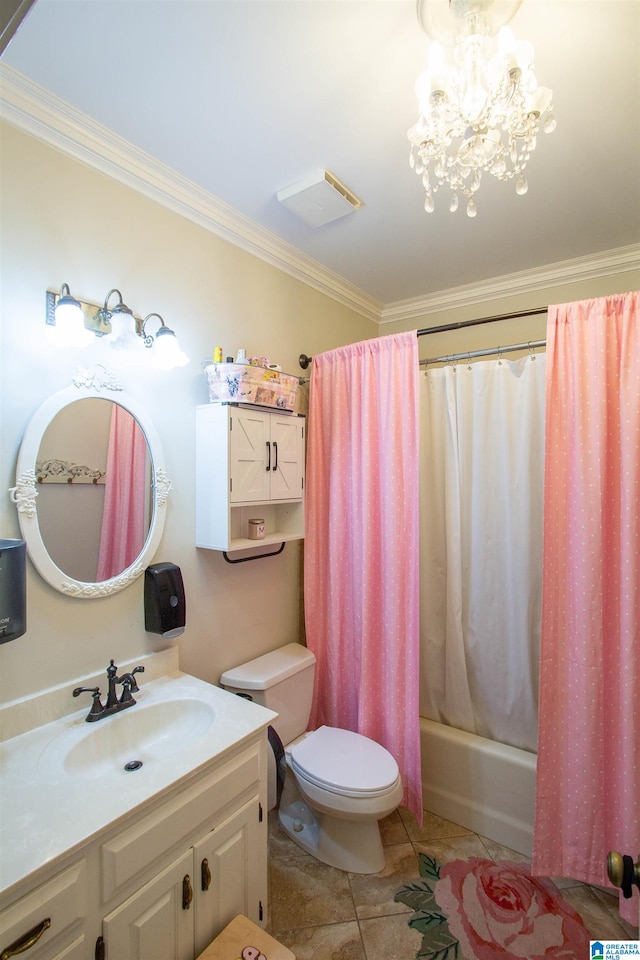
x=187, y=892
x=27, y=940
x=268, y=456
x=205, y=874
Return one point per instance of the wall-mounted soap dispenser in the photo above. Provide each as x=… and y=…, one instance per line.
x=13, y=590
x=165, y=607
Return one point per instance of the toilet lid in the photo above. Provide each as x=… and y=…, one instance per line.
x=344, y=762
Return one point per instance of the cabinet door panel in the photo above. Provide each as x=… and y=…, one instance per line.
x=286, y=438
x=249, y=456
x=60, y=902
x=153, y=924
x=237, y=873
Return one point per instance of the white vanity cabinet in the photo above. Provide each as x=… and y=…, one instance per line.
x=182, y=909
x=164, y=874
x=249, y=465
x=213, y=866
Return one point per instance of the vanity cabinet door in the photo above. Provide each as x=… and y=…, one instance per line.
x=157, y=922
x=230, y=873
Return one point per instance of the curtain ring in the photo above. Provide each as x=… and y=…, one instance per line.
x=469, y=361
x=499, y=356
x=531, y=353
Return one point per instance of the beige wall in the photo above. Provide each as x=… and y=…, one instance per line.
x=62, y=222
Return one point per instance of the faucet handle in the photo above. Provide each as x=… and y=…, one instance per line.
x=130, y=679
x=94, y=690
x=128, y=684
x=96, y=706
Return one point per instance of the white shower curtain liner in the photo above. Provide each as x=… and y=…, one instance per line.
x=481, y=470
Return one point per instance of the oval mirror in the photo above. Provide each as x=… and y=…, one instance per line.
x=91, y=488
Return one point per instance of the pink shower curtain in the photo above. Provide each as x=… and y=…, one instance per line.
x=123, y=517
x=588, y=782
x=361, y=546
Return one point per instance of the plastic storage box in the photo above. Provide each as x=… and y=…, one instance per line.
x=247, y=383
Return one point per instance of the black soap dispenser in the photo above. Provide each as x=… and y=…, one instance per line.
x=13, y=590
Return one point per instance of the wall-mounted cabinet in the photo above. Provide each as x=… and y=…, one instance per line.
x=249, y=465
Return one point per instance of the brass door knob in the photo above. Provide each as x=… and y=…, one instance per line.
x=623, y=872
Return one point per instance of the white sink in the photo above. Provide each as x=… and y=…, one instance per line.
x=142, y=734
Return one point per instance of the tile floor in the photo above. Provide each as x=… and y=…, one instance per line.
x=321, y=913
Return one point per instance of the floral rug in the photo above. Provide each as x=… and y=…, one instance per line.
x=491, y=910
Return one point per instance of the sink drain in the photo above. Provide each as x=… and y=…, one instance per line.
x=133, y=765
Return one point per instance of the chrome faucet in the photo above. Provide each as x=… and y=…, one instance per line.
x=112, y=705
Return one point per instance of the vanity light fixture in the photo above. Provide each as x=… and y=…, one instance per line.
x=168, y=352
x=106, y=314
x=78, y=321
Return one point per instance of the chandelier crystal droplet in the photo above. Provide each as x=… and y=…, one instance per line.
x=480, y=110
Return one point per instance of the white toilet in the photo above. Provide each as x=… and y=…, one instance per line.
x=338, y=783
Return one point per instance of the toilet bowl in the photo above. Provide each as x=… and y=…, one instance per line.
x=338, y=783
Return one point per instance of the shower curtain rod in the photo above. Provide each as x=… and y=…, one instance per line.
x=476, y=323
x=304, y=360
x=452, y=357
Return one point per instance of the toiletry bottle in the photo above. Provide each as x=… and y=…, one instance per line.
x=217, y=356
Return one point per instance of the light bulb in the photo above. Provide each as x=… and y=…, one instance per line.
x=70, y=328
x=168, y=352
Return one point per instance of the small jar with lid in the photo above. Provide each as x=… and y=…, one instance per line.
x=256, y=529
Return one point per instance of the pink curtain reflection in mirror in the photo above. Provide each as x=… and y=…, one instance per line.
x=123, y=519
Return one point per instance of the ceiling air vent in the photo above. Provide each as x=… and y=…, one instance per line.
x=319, y=199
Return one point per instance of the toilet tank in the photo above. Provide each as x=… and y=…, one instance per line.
x=282, y=681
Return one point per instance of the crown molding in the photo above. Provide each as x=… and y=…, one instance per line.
x=607, y=263
x=36, y=111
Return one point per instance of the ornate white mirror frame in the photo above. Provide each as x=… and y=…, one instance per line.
x=95, y=383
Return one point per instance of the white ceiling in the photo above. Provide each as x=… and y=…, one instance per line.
x=246, y=97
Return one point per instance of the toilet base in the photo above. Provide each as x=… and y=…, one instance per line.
x=350, y=845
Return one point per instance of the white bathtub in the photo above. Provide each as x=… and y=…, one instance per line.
x=485, y=786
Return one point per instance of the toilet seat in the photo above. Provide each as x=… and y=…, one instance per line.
x=345, y=763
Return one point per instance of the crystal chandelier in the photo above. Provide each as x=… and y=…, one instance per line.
x=480, y=104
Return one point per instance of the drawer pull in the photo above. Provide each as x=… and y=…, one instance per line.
x=187, y=892
x=205, y=874
x=26, y=941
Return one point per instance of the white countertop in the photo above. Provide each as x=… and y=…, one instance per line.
x=45, y=812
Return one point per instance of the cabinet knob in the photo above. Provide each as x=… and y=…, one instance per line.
x=205, y=874
x=27, y=940
x=187, y=892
